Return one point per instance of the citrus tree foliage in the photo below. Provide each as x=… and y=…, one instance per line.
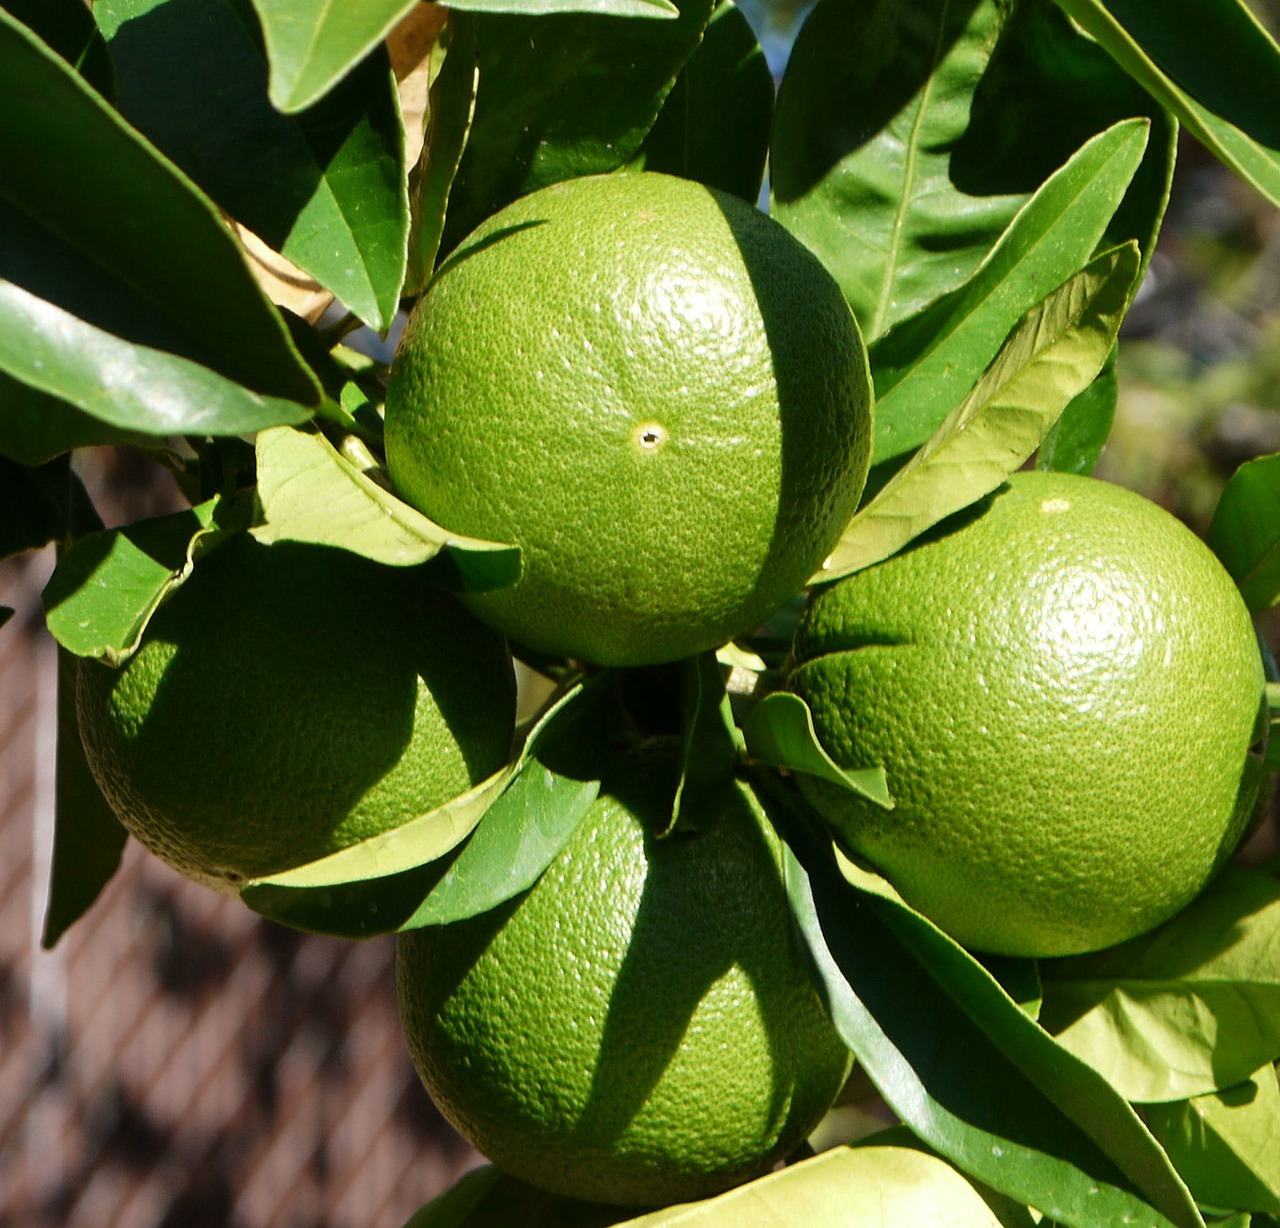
x=188, y=184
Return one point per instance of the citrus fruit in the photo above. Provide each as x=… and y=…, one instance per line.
x=640, y=1027
x=651, y=388
x=288, y=701
x=1064, y=687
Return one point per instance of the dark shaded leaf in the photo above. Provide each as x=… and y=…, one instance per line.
x=562, y=96
x=324, y=187
x=1212, y=63
x=36, y=427
x=88, y=840
x=67, y=27
x=714, y=126
x=39, y=505
x=100, y=191
x=937, y=1068
x=708, y=740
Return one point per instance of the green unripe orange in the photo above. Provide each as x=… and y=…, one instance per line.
x=654, y=390
x=1064, y=687
x=641, y=1026
x=291, y=700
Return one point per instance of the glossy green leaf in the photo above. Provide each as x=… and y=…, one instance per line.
x=309, y=492
x=708, y=740
x=714, y=126
x=1245, y=531
x=909, y=134
x=1211, y=62
x=520, y=835
x=928, y=365
x=779, y=731
x=88, y=839
x=489, y=1198
x=846, y=1187
x=35, y=427
x=108, y=585
x=1055, y=353
x=129, y=387
x=1190, y=1008
x=1076, y=440
x=1075, y=1088
x=1226, y=1144
x=67, y=27
x=451, y=105
x=561, y=96
x=378, y=885
x=955, y=1088
x=324, y=187
x=93, y=184
x=312, y=44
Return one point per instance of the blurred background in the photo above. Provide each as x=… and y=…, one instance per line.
x=176, y=1062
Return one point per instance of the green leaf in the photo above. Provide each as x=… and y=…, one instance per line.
x=779, y=731
x=708, y=740
x=35, y=427
x=378, y=885
x=1212, y=63
x=311, y=493
x=131, y=388
x=926, y=367
x=67, y=27
x=325, y=187
x=489, y=1198
x=561, y=96
x=1189, y=1008
x=88, y=839
x=714, y=126
x=520, y=835
x=95, y=187
x=1055, y=353
x=854, y=1187
x=108, y=585
x=1226, y=1145
x=1076, y=1089
x=451, y=104
x=1245, y=531
x=312, y=44
x=1076, y=440
x=909, y=134
x=947, y=1080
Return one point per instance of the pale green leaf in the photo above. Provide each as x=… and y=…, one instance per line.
x=1226, y=1144
x=780, y=732
x=924, y=368
x=1054, y=354
x=1245, y=531
x=1190, y=1008
x=846, y=1187
x=309, y=492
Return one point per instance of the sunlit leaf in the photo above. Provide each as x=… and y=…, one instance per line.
x=309, y=492
x=926, y=366
x=1053, y=355
x=83, y=182
x=779, y=731
x=1226, y=1145
x=1245, y=531
x=324, y=187
x=108, y=585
